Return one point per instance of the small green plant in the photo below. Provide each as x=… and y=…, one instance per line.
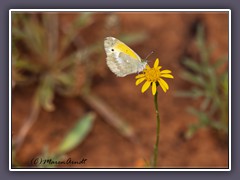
x=41, y=54
x=210, y=87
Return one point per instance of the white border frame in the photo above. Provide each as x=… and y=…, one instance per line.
x=118, y=10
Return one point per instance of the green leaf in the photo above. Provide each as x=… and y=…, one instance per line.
x=204, y=119
x=77, y=134
x=193, y=93
x=200, y=36
x=23, y=64
x=204, y=53
x=193, y=111
x=191, y=130
x=202, y=116
x=45, y=93
x=193, y=65
x=65, y=79
x=195, y=79
x=219, y=126
x=220, y=62
x=205, y=103
x=35, y=37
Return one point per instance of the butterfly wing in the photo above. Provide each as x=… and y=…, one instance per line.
x=121, y=59
x=115, y=46
x=123, y=64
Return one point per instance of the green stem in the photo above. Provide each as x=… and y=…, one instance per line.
x=158, y=130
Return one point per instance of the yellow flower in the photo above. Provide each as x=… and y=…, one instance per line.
x=153, y=76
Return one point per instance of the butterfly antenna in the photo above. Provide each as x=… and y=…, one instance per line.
x=149, y=55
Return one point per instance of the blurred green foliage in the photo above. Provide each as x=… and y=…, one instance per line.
x=209, y=87
x=77, y=134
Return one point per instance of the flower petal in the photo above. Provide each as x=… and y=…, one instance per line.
x=140, y=80
x=165, y=71
x=146, y=86
x=154, y=88
x=167, y=76
x=147, y=67
x=163, y=84
x=156, y=63
x=140, y=76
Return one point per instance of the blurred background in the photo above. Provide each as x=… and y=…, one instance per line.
x=66, y=103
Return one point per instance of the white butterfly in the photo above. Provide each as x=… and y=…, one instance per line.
x=121, y=59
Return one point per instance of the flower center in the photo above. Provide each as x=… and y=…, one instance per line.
x=152, y=74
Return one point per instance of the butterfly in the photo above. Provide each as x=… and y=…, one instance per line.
x=121, y=59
